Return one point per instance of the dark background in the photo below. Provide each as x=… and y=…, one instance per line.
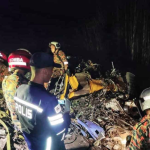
x=33, y=24
x=104, y=31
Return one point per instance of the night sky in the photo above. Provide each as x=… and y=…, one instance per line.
x=90, y=28
x=32, y=24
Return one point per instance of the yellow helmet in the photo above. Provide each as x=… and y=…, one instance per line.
x=145, y=99
x=56, y=44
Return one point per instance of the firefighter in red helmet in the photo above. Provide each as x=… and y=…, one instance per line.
x=18, y=62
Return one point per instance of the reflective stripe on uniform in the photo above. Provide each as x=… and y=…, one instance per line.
x=29, y=104
x=65, y=63
x=17, y=63
x=57, y=119
x=61, y=132
x=48, y=143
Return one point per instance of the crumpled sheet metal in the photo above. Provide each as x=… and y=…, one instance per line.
x=76, y=142
x=97, y=108
x=95, y=131
x=116, y=138
x=107, y=112
x=114, y=105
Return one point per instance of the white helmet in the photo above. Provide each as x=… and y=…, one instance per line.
x=56, y=44
x=145, y=99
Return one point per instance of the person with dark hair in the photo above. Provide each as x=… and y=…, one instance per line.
x=43, y=120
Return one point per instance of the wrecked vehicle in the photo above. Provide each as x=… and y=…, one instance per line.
x=108, y=105
x=107, y=114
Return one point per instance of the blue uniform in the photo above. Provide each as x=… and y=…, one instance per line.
x=41, y=119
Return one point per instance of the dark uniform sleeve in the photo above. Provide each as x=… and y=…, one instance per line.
x=58, y=122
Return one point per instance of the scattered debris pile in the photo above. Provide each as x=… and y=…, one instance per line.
x=100, y=121
x=107, y=109
x=106, y=113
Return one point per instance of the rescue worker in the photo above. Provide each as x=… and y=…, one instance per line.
x=141, y=132
x=18, y=66
x=59, y=58
x=42, y=120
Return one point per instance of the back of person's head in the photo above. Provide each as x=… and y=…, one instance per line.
x=42, y=66
x=43, y=74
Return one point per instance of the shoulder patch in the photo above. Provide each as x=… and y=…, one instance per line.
x=58, y=109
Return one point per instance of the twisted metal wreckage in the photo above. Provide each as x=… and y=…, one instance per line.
x=102, y=111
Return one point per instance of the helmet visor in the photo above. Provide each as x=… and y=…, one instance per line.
x=145, y=104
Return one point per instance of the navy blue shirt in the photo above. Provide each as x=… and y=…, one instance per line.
x=40, y=117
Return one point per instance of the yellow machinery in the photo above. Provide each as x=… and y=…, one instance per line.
x=91, y=87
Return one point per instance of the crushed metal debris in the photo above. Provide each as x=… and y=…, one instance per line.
x=100, y=121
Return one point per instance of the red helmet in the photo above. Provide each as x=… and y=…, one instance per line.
x=3, y=57
x=19, y=59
